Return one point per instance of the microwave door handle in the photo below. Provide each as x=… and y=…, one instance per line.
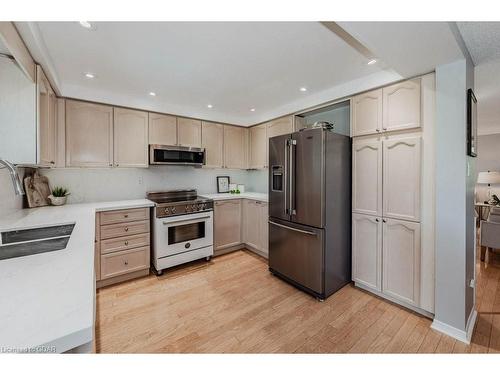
x=195, y=220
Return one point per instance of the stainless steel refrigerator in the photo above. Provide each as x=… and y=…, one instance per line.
x=310, y=210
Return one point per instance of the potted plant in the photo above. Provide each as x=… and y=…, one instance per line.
x=59, y=196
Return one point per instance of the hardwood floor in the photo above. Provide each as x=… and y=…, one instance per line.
x=233, y=305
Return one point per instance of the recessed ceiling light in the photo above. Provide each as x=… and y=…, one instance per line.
x=86, y=24
x=252, y=109
x=89, y=75
x=210, y=106
x=152, y=93
x=303, y=89
x=372, y=61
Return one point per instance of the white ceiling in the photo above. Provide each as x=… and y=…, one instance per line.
x=483, y=42
x=235, y=66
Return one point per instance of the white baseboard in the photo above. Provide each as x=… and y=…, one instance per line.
x=461, y=335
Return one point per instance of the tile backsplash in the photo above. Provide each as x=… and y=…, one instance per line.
x=9, y=201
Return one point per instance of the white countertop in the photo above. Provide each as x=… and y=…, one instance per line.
x=263, y=197
x=48, y=299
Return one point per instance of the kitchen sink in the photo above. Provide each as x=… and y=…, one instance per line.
x=24, y=242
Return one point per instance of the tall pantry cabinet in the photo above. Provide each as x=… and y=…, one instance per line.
x=388, y=172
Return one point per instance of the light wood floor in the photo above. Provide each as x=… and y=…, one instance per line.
x=233, y=305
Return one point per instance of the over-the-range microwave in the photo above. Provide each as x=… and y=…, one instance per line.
x=176, y=155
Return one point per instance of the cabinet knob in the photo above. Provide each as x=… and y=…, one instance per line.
x=126, y=243
x=385, y=221
x=126, y=215
x=377, y=220
x=110, y=164
x=126, y=229
x=117, y=164
x=52, y=162
x=126, y=262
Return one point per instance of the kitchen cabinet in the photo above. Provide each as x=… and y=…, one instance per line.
x=401, y=106
x=367, y=251
x=251, y=223
x=130, y=138
x=212, y=140
x=235, y=147
x=401, y=260
x=367, y=177
x=367, y=113
x=162, y=129
x=401, y=178
x=264, y=228
x=227, y=223
x=258, y=147
x=188, y=132
x=47, y=106
x=89, y=134
x=280, y=126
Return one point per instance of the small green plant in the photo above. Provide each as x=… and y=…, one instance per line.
x=59, y=191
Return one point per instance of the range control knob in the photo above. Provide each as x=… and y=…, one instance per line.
x=193, y=207
x=166, y=210
x=173, y=210
x=187, y=208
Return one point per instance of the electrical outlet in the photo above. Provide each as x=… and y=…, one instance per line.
x=472, y=283
x=141, y=180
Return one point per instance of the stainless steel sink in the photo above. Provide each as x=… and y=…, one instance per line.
x=30, y=241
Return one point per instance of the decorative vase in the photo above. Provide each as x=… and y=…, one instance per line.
x=57, y=201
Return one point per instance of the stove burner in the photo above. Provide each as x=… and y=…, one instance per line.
x=179, y=202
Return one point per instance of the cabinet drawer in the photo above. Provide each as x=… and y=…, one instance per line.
x=123, y=216
x=121, y=262
x=124, y=229
x=124, y=243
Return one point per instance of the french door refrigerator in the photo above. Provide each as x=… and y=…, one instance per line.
x=310, y=210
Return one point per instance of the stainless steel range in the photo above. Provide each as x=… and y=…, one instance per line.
x=182, y=227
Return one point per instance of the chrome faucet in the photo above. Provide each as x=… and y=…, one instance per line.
x=16, y=181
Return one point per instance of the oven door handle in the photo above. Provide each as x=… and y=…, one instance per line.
x=187, y=220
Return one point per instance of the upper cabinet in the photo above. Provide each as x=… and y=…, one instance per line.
x=280, y=126
x=46, y=104
x=401, y=178
x=235, y=147
x=367, y=113
x=89, y=134
x=162, y=129
x=258, y=147
x=212, y=140
x=402, y=106
x=188, y=132
x=130, y=138
x=394, y=107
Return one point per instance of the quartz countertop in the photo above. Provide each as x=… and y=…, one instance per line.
x=47, y=300
x=263, y=197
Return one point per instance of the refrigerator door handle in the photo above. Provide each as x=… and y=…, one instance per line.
x=292, y=211
x=294, y=229
x=285, y=175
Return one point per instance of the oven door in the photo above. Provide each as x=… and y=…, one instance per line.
x=179, y=234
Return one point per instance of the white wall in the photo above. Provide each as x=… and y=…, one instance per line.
x=455, y=229
x=9, y=202
x=93, y=185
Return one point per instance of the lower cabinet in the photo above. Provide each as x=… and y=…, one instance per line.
x=386, y=257
x=255, y=227
x=227, y=224
x=122, y=245
x=239, y=223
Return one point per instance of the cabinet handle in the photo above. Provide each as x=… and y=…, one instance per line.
x=377, y=220
x=126, y=215
x=52, y=162
x=126, y=243
x=126, y=229
x=126, y=262
x=383, y=220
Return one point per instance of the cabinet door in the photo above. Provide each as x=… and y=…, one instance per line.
x=227, y=223
x=402, y=169
x=402, y=105
x=264, y=228
x=46, y=103
x=367, y=113
x=258, y=147
x=280, y=126
x=188, y=132
x=367, y=250
x=251, y=223
x=130, y=138
x=162, y=129
x=367, y=177
x=89, y=134
x=212, y=140
x=401, y=260
x=235, y=147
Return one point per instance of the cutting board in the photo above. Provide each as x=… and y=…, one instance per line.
x=37, y=189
